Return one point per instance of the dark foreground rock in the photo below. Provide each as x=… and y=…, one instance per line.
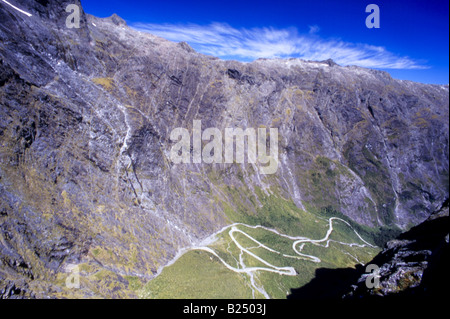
x=85, y=174
x=413, y=265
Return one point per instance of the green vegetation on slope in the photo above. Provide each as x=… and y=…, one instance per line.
x=199, y=274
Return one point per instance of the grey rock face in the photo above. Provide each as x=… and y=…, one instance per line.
x=415, y=264
x=85, y=122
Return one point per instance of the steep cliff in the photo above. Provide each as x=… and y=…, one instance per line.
x=414, y=265
x=85, y=173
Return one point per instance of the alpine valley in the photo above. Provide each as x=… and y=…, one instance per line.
x=91, y=205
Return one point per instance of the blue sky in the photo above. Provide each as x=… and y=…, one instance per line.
x=412, y=42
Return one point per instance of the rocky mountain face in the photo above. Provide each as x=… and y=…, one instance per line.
x=413, y=265
x=85, y=171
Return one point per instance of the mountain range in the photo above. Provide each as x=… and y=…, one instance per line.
x=86, y=177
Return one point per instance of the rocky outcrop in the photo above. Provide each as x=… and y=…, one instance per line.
x=413, y=265
x=85, y=172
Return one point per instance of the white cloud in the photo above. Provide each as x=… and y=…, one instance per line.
x=224, y=41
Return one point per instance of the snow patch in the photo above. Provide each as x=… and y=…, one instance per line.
x=305, y=64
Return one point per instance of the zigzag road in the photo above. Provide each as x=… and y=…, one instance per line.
x=297, y=247
x=289, y=271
